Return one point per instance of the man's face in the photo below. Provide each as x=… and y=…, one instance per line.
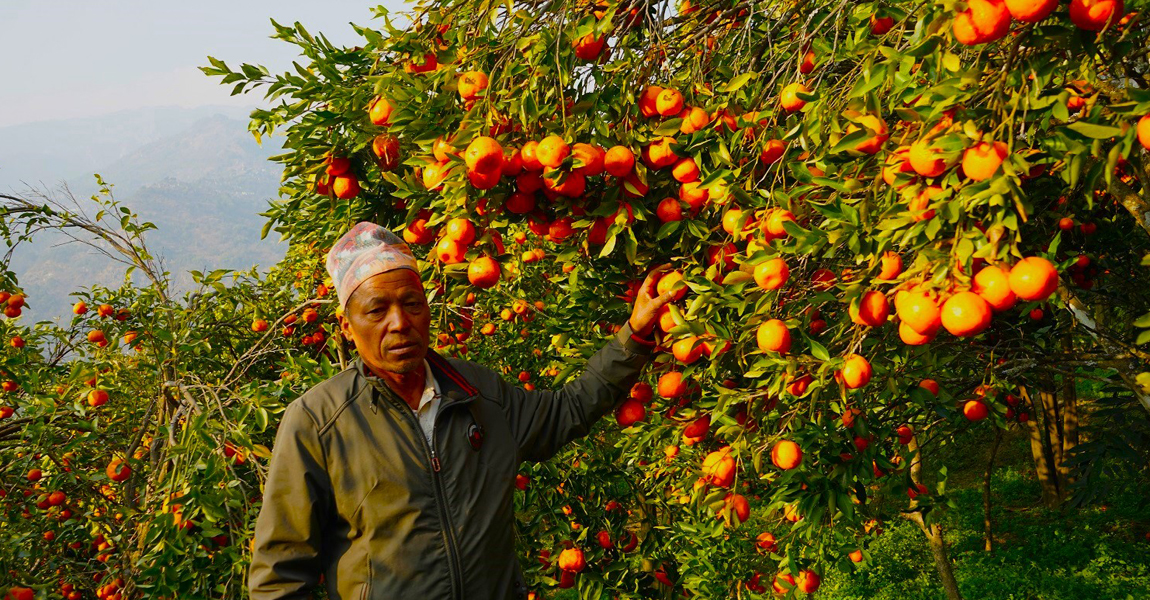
x=388, y=319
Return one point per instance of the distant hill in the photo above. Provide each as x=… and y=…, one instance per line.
x=196, y=173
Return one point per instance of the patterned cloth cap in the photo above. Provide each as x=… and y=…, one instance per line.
x=366, y=250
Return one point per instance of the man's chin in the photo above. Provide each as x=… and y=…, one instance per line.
x=404, y=364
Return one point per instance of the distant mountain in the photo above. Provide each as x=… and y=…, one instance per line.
x=202, y=184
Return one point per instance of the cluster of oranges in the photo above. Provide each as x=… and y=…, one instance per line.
x=985, y=21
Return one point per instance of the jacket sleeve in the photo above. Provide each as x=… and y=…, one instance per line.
x=544, y=421
x=286, y=556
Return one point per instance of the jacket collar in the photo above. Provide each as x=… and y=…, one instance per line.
x=454, y=387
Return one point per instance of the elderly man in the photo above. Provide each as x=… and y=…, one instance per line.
x=394, y=478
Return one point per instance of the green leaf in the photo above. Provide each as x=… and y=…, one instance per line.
x=1095, y=131
x=739, y=82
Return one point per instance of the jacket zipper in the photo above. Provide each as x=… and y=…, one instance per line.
x=440, y=495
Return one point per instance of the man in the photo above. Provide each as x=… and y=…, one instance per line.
x=394, y=478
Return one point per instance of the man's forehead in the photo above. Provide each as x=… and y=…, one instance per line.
x=379, y=287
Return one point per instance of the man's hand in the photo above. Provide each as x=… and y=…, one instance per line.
x=648, y=304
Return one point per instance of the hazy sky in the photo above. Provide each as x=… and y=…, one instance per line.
x=61, y=59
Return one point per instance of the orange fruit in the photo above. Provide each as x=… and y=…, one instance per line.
x=619, y=161
x=434, y=174
x=773, y=336
x=925, y=160
x=772, y=226
x=471, y=84
x=1031, y=11
x=733, y=221
x=1144, y=131
x=919, y=312
x=920, y=204
x=460, y=230
x=527, y=155
x=669, y=281
x=648, y=102
x=910, y=337
x=808, y=581
x=873, y=309
x=694, y=119
x=345, y=187
x=687, y=350
x=695, y=197
x=975, y=410
x=417, y=232
x=872, y=144
x=1094, y=15
x=786, y=455
x=572, y=560
x=685, y=170
x=630, y=412
x=880, y=25
x=669, y=210
x=1033, y=279
x=658, y=153
x=789, y=98
x=483, y=272
x=443, y=148
x=963, y=28
x=380, y=111
x=856, y=372
x=719, y=467
x=450, y=251
x=990, y=18
x=588, y=47
x=484, y=154
x=981, y=161
x=671, y=385
x=386, y=148
x=772, y=274
x=590, y=157
x=966, y=314
x=929, y=385
x=551, y=151
x=808, y=63
x=890, y=265
x=856, y=556
x=993, y=284
x=773, y=150
x=669, y=102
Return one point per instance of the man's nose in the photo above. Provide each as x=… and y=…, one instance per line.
x=397, y=320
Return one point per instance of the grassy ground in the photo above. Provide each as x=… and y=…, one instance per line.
x=1100, y=552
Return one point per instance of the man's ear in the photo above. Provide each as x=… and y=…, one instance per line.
x=345, y=328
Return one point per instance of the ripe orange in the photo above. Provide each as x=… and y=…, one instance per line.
x=786, y=455
x=380, y=111
x=773, y=150
x=588, y=47
x=460, y=230
x=687, y=350
x=648, y=102
x=981, y=161
x=80, y=307
x=572, y=560
x=444, y=148
x=873, y=309
x=551, y=151
x=856, y=372
x=789, y=98
x=1033, y=279
x=485, y=155
x=975, y=410
x=990, y=18
x=891, y=265
x=822, y=280
x=118, y=471
x=671, y=385
x=527, y=155
x=925, y=160
x=910, y=337
x=259, y=325
x=808, y=63
x=450, y=251
x=619, y=161
x=772, y=226
x=694, y=119
x=669, y=102
x=417, y=232
x=471, y=84
x=963, y=28
x=773, y=336
x=719, y=467
x=1144, y=131
x=966, y=314
x=929, y=385
x=808, y=581
x=773, y=274
x=386, y=148
x=856, y=556
x=685, y=170
x=434, y=174
x=992, y=283
x=1094, y=15
x=880, y=25
x=1031, y=11
x=659, y=154
x=920, y=204
x=669, y=281
x=630, y=412
x=590, y=157
x=694, y=196
x=738, y=506
x=483, y=272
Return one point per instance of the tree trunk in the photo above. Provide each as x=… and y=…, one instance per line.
x=1069, y=407
x=986, y=522
x=933, y=532
x=1043, y=462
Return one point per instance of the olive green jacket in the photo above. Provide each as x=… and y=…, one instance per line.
x=355, y=492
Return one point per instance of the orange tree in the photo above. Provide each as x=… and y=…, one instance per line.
x=893, y=223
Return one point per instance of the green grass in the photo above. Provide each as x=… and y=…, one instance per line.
x=1099, y=552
